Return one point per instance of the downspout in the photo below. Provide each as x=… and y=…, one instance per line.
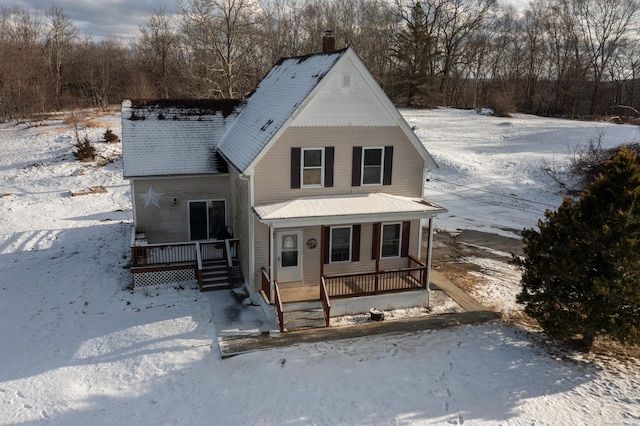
x=133, y=204
x=250, y=230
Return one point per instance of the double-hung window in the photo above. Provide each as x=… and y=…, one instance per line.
x=340, y=244
x=391, y=239
x=372, y=165
x=312, y=167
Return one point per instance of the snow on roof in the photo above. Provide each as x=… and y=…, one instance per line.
x=173, y=137
x=273, y=101
x=336, y=209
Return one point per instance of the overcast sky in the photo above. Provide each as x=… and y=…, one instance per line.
x=103, y=18
x=119, y=18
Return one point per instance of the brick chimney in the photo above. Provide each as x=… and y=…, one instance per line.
x=328, y=42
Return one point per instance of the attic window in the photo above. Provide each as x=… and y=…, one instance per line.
x=346, y=80
x=266, y=125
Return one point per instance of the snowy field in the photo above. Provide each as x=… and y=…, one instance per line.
x=77, y=349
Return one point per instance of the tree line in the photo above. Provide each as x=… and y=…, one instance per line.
x=574, y=58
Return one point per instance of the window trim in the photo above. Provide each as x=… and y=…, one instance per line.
x=321, y=167
x=362, y=165
x=350, y=227
x=400, y=240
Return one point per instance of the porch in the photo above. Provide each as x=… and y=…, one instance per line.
x=213, y=263
x=294, y=300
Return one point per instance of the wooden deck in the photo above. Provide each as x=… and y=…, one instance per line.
x=299, y=293
x=348, y=287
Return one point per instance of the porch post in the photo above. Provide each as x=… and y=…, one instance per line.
x=271, y=263
x=377, y=244
x=322, y=259
x=429, y=246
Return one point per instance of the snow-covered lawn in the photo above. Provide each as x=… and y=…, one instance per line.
x=77, y=349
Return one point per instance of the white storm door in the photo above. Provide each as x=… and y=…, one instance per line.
x=289, y=256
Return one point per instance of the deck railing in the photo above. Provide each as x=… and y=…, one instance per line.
x=163, y=254
x=186, y=255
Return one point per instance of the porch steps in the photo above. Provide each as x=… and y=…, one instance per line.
x=215, y=275
x=301, y=315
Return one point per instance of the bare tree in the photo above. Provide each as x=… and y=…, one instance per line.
x=604, y=25
x=59, y=36
x=21, y=66
x=219, y=36
x=158, y=47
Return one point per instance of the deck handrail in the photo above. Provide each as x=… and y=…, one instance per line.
x=279, y=306
x=326, y=304
x=199, y=262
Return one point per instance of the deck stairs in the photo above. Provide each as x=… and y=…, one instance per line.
x=215, y=275
x=303, y=315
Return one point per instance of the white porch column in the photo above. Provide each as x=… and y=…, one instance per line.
x=429, y=250
x=272, y=264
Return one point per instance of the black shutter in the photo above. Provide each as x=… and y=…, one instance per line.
x=328, y=166
x=326, y=240
x=375, y=241
x=356, y=167
x=406, y=232
x=388, y=165
x=295, y=167
x=355, y=243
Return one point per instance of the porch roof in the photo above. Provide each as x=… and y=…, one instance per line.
x=343, y=209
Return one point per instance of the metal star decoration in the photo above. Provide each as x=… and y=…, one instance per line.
x=152, y=198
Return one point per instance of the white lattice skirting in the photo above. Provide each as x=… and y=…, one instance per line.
x=143, y=279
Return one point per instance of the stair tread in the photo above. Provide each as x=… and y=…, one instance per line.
x=296, y=325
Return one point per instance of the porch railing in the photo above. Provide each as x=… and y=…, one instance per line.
x=266, y=284
x=324, y=298
x=363, y=284
x=279, y=307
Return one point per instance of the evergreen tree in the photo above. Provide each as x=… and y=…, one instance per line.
x=581, y=270
x=415, y=52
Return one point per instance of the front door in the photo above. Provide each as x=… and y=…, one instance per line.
x=289, y=256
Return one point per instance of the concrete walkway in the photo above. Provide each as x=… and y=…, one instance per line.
x=465, y=301
x=475, y=313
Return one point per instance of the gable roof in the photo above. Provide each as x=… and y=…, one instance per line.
x=272, y=104
x=283, y=93
x=173, y=137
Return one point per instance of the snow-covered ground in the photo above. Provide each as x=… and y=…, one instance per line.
x=76, y=348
